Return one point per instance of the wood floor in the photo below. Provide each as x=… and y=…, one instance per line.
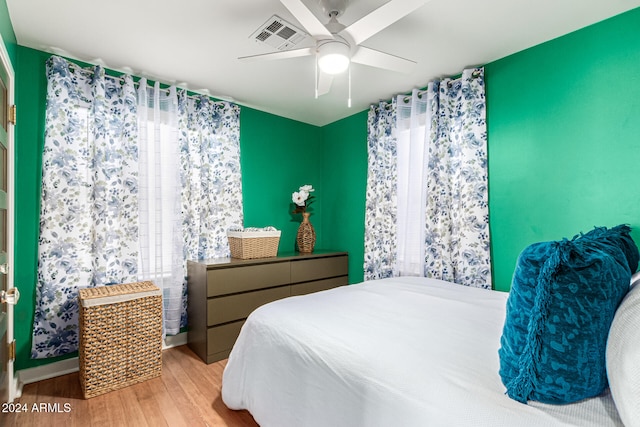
x=187, y=394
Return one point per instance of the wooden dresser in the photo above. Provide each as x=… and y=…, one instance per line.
x=222, y=292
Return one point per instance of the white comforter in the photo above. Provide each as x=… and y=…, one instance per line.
x=392, y=352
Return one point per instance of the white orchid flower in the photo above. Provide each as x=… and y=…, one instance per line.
x=300, y=197
x=307, y=188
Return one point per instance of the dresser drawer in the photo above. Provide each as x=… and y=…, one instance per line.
x=221, y=338
x=319, y=268
x=224, y=291
x=239, y=306
x=247, y=278
x=318, y=285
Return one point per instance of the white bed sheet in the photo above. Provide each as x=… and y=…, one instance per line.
x=394, y=352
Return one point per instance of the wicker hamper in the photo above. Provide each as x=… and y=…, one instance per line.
x=120, y=336
x=253, y=244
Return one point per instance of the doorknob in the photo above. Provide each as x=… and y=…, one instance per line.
x=10, y=297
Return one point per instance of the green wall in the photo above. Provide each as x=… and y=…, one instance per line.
x=6, y=30
x=563, y=123
x=563, y=142
x=345, y=183
x=564, y=139
x=278, y=156
x=31, y=89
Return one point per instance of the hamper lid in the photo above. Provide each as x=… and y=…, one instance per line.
x=101, y=295
x=249, y=234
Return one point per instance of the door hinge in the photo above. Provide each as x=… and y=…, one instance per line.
x=10, y=297
x=12, y=350
x=12, y=114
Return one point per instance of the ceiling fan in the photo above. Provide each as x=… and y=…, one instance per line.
x=337, y=46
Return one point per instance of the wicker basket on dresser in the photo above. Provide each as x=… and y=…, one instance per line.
x=223, y=292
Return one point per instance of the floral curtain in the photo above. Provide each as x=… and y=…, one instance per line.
x=209, y=141
x=133, y=185
x=457, y=213
x=380, y=239
x=447, y=121
x=88, y=213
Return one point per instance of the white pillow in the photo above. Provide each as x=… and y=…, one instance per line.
x=623, y=356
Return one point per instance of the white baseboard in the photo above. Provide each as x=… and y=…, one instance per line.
x=44, y=372
x=67, y=366
x=174, y=340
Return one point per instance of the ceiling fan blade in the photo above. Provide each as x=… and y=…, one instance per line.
x=286, y=54
x=307, y=19
x=380, y=19
x=375, y=58
x=324, y=83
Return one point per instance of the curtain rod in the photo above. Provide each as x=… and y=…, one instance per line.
x=475, y=74
x=194, y=95
x=119, y=78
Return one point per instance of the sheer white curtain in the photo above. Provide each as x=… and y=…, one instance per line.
x=413, y=129
x=161, y=257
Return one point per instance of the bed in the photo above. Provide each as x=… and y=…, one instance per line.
x=394, y=352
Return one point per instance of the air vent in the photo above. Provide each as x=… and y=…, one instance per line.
x=280, y=34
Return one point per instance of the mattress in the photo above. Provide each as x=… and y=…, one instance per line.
x=394, y=352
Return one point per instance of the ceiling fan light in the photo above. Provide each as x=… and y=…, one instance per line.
x=333, y=57
x=334, y=63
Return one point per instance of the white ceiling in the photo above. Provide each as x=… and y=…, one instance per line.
x=195, y=44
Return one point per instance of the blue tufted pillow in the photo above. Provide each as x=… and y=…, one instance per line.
x=618, y=236
x=562, y=301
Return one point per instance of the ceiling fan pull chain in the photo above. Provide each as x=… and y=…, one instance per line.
x=317, y=76
x=349, y=100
